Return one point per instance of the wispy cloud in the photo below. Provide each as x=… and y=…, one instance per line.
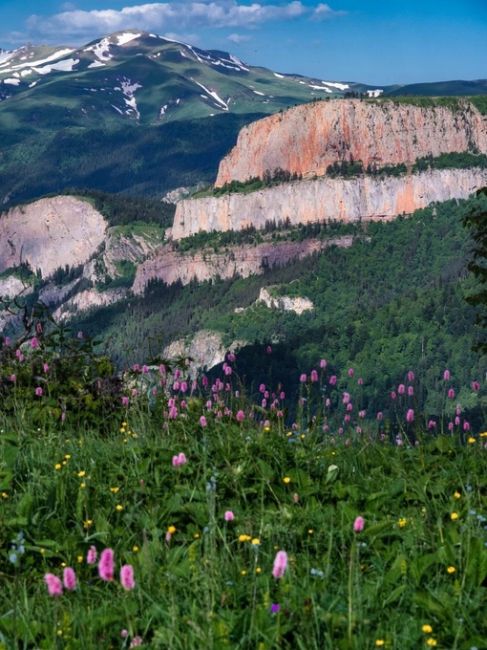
x=323, y=11
x=170, y=16
x=238, y=38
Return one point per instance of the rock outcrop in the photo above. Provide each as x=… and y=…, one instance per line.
x=50, y=233
x=364, y=197
x=171, y=266
x=205, y=348
x=297, y=304
x=311, y=137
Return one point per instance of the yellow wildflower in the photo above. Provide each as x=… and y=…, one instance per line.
x=244, y=538
x=454, y=516
x=88, y=523
x=379, y=643
x=67, y=456
x=82, y=485
x=451, y=570
x=79, y=559
x=402, y=522
x=243, y=572
x=258, y=570
x=57, y=466
x=114, y=490
x=286, y=480
x=432, y=642
x=427, y=629
x=81, y=473
x=471, y=440
x=171, y=530
x=457, y=495
x=255, y=541
x=310, y=531
x=483, y=435
x=119, y=507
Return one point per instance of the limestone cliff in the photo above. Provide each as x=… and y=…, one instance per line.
x=308, y=138
x=363, y=197
x=50, y=233
x=170, y=266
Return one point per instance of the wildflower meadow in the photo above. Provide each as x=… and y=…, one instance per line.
x=158, y=508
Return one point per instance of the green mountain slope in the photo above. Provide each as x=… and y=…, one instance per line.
x=395, y=299
x=126, y=113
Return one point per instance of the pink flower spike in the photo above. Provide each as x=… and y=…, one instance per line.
x=303, y=378
x=91, y=555
x=229, y=516
x=54, y=585
x=39, y=392
x=410, y=416
x=203, y=422
x=69, y=578
x=127, y=577
x=446, y=375
x=240, y=417
x=358, y=525
x=106, y=565
x=451, y=393
x=182, y=460
x=280, y=565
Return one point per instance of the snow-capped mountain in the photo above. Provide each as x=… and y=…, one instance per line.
x=142, y=76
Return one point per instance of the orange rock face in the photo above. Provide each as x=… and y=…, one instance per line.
x=309, y=138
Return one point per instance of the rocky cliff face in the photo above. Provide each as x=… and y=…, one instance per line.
x=309, y=138
x=50, y=233
x=364, y=197
x=169, y=266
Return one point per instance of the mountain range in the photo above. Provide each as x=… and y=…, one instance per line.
x=125, y=113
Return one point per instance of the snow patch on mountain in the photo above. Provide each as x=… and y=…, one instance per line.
x=66, y=65
x=31, y=64
x=128, y=88
x=279, y=76
x=12, y=81
x=126, y=37
x=101, y=49
x=97, y=64
x=214, y=95
x=335, y=84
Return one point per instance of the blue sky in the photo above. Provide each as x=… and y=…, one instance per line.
x=374, y=41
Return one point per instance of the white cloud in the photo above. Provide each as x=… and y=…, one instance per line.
x=169, y=16
x=323, y=11
x=238, y=38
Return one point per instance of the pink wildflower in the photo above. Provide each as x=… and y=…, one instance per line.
x=203, y=422
x=106, y=565
x=323, y=363
x=451, y=393
x=69, y=578
x=45, y=367
x=136, y=642
x=127, y=577
x=229, y=516
x=314, y=376
x=350, y=372
x=240, y=416
x=333, y=380
x=303, y=378
x=410, y=375
x=410, y=391
x=34, y=343
x=475, y=386
x=446, y=375
x=410, y=416
x=54, y=585
x=280, y=565
x=91, y=555
x=358, y=524
x=401, y=389
x=39, y=392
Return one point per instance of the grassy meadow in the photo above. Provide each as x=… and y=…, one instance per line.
x=197, y=486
